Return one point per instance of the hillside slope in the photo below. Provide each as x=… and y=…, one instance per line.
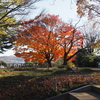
x=11, y=59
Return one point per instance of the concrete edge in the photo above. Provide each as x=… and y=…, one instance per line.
x=96, y=89
x=64, y=96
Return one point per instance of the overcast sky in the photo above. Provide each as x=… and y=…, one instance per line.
x=64, y=8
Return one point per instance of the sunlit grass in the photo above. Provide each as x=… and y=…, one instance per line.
x=29, y=71
x=40, y=72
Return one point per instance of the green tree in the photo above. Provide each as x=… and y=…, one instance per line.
x=9, y=9
x=5, y=42
x=3, y=63
x=85, y=59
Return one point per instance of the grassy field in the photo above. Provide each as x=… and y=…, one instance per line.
x=40, y=72
x=37, y=84
x=29, y=71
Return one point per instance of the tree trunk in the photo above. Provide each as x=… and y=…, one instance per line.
x=49, y=64
x=67, y=59
x=48, y=60
x=64, y=60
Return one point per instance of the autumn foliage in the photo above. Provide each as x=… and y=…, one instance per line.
x=46, y=39
x=70, y=40
x=89, y=8
x=97, y=44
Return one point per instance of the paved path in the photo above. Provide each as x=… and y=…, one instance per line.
x=86, y=95
x=89, y=92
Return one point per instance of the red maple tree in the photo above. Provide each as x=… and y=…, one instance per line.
x=70, y=41
x=37, y=41
x=46, y=39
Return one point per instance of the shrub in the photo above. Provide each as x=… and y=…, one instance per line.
x=62, y=66
x=3, y=63
x=87, y=70
x=55, y=64
x=69, y=69
x=84, y=59
x=70, y=64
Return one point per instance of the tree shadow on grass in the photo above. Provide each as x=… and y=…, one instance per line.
x=59, y=72
x=87, y=71
x=71, y=72
x=24, y=69
x=10, y=87
x=21, y=87
x=13, y=80
x=32, y=69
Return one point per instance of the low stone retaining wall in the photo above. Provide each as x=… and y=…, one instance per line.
x=66, y=96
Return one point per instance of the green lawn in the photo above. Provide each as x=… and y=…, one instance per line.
x=40, y=72
x=29, y=71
